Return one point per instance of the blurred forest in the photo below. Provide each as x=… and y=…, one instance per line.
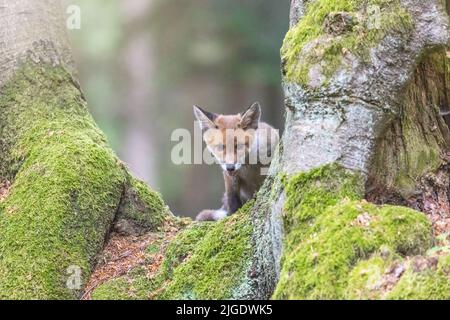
x=144, y=63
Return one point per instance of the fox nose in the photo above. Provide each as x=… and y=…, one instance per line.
x=230, y=167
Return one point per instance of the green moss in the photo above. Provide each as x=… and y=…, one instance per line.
x=376, y=278
x=204, y=261
x=112, y=290
x=422, y=159
x=308, y=194
x=182, y=247
x=153, y=248
x=124, y=288
x=429, y=284
x=217, y=262
x=67, y=185
x=367, y=278
x=326, y=51
x=142, y=205
x=447, y=69
x=137, y=285
x=330, y=231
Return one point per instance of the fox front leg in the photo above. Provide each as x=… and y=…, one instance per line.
x=232, y=201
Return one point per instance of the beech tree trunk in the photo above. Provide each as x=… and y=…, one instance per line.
x=61, y=186
x=371, y=105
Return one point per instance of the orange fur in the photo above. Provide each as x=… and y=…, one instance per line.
x=234, y=140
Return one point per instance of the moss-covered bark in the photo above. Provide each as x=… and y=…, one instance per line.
x=66, y=186
x=205, y=261
x=368, y=100
x=339, y=246
x=140, y=209
x=309, y=46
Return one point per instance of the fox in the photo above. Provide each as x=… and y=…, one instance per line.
x=243, y=145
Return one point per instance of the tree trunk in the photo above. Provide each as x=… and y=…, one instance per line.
x=61, y=186
x=363, y=119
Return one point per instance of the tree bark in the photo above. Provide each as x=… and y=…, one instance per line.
x=314, y=236
x=26, y=34
x=62, y=187
x=377, y=115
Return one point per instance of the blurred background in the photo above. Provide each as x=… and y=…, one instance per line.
x=144, y=63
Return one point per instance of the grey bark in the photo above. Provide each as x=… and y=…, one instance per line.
x=338, y=123
x=25, y=34
x=341, y=121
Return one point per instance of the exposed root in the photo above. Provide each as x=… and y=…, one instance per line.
x=123, y=253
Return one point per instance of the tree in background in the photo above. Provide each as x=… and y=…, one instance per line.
x=223, y=56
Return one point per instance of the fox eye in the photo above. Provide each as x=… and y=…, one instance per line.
x=220, y=147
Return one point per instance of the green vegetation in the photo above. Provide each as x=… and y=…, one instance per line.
x=204, y=261
x=332, y=236
x=66, y=185
x=432, y=283
x=365, y=281
x=217, y=262
x=307, y=44
x=141, y=205
x=121, y=289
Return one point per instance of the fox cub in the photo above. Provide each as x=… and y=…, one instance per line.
x=243, y=146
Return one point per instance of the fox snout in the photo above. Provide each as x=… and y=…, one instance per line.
x=231, y=167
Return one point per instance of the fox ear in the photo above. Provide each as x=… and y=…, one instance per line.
x=205, y=118
x=251, y=117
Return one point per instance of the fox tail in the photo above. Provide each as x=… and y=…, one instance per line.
x=211, y=215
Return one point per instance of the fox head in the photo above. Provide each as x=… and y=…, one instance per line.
x=230, y=137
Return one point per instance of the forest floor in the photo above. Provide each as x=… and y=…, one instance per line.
x=123, y=253
x=434, y=201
